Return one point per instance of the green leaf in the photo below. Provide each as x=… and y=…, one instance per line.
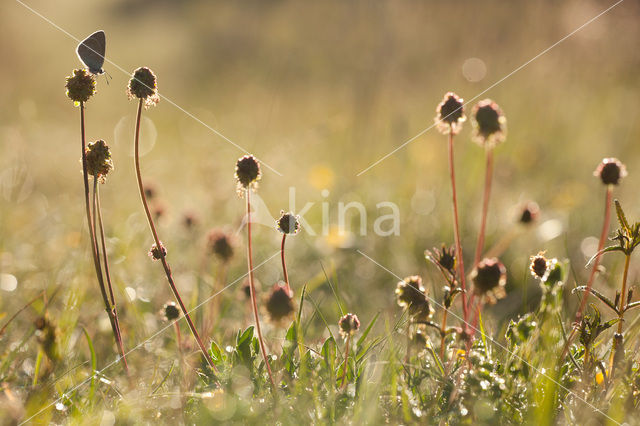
x=622, y=219
x=329, y=354
x=603, y=251
x=216, y=353
x=367, y=330
x=599, y=295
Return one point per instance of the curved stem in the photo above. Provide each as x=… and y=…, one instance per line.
x=92, y=234
x=252, y=290
x=596, y=261
x=346, y=361
x=456, y=229
x=594, y=269
x=163, y=259
x=284, y=265
x=97, y=213
x=485, y=205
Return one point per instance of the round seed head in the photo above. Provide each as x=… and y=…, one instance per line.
x=156, y=253
x=99, y=162
x=349, y=325
x=247, y=173
x=529, y=213
x=450, y=114
x=143, y=85
x=443, y=257
x=170, y=311
x=610, y=171
x=288, y=223
x=489, y=124
x=221, y=245
x=489, y=279
x=280, y=303
x=80, y=86
x=412, y=296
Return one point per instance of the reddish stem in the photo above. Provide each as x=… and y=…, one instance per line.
x=163, y=259
x=252, y=289
x=97, y=213
x=485, y=205
x=92, y=234
x=284, y=265
x=596, y=261
x=456, y=229
x=346, y=361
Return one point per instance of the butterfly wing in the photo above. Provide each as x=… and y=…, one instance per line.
x=91, y=52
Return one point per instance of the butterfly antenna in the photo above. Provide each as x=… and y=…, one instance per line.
x=107, y=77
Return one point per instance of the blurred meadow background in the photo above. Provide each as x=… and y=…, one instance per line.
x=319, y=92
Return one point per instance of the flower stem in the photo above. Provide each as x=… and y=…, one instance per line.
x=456, y=230
x=284, y=265
x=623, y=295
x=594, y=270
x=596, y=261
x=97, y=212
x=346, y=361
x=485, y=205
x=156, y=239
x=442, y=332
x=252, y=290
x=92, y=234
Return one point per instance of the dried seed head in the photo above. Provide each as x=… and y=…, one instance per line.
x=157, y=253
x=541, y=267
x=246, y=287
x=410, y=291
x=529, y=213
x=490, y=125
x=349, y=325
x=247, y=173
x=288, y=223
x=170, y=311
x=143, y=85
x=280, y=304
x=221, y=244
x=610, y=171
x=80, y=86
x=99, y=162
x=450, y=114
x=412, y=296
x=443, y=257
x=489, y=279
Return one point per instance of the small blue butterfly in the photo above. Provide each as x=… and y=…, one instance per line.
x=91, y=52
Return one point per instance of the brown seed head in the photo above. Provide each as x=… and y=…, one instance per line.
x=610, y=171
x=288, y=223
x=349, y=325
x=489, y=279
x=80, y=86
x=156, y=253
x=450, y=114
x=247, y=173
x=170, y=311
x=280, y=303
x=489, y=123
x=143, y=85
x=221, y=244
x=99, y=162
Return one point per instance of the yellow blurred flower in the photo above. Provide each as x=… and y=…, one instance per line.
x=599, y=378
x=321, y=177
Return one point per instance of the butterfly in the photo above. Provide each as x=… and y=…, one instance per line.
x=91, y=52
